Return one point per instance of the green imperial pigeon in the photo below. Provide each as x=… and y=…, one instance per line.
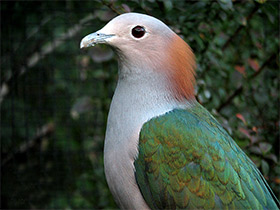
x=163, y=150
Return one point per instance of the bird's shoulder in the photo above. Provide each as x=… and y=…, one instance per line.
x=190, y=130
x=187, y=160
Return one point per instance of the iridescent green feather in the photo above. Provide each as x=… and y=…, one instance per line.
x=187, y=160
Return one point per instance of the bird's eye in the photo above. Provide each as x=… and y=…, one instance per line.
x=138, y=31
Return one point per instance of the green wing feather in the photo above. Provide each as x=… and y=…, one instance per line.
x=187, y=160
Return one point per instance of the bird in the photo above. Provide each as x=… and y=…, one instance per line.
x=163, y=149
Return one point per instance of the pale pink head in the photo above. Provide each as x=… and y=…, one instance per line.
x=147, y=43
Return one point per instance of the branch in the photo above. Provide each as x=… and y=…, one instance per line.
x=37, y=56
x=111, y=6
x=42, y=52
x=262, y=67
x=230, y=98
x=239, y=90
x=248, y=18
x=46, y=130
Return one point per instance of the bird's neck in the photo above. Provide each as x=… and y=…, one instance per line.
x=137, y=99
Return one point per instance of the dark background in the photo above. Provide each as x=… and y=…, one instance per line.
x=55, y=97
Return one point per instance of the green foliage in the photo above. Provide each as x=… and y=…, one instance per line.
x=55, y=98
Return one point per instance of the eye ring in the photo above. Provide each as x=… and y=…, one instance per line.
x=138, y=31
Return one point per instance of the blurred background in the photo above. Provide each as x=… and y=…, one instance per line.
x=55, y=97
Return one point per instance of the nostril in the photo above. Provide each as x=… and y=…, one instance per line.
x=97, y=34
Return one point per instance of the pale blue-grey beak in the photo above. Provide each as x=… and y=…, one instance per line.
x=94, y=38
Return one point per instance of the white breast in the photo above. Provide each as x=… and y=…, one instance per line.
x=136, y=100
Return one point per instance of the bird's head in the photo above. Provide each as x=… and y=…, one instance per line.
x=144, y=43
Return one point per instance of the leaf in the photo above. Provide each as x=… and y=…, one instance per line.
x=245, y=132
x=202, y=36
x=4, y=90
x=276, y=180
x=104, y=15
x=207, y=94
x=254, y=64
x=256, y=160
x=255, y=129
x=84, y=61
x=126, y=7
x=265, y=167
x=261, y=1
x=256, y=150
x=226, y=4
x=259, y=45
x=168, y=5
x=82, y=105
x=240, y=116
x=265, y=147
x=254, y=139
x=272, y=157
x=240, y=69
x=243, y=21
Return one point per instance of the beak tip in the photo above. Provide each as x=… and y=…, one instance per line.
x=93, y=39
x=86, y=42
x=82, y=45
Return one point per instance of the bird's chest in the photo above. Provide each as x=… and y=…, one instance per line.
x=134, y=103
x=120, y=151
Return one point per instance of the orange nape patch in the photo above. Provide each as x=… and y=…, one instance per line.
x=181, y=66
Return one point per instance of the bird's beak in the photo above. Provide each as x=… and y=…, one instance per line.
x=94, y=38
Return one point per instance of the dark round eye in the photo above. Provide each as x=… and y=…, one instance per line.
x=138, y=31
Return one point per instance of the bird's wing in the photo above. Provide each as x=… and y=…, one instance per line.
x=187, y=160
